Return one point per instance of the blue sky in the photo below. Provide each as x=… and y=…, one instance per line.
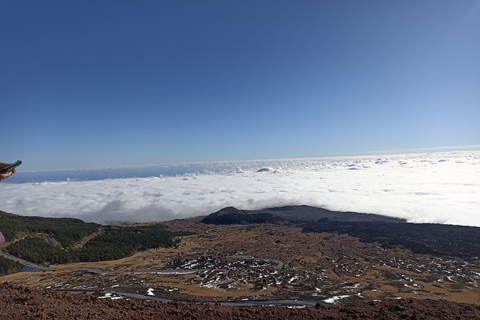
x=113, y=83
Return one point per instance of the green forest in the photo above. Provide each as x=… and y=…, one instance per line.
x=114, y=243
x=67, y=231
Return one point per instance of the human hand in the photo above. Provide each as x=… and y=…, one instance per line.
x=4, y=176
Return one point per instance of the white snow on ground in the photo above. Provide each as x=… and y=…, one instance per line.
x=110, y=296
x=436, y=187
x=335, y=298
x=150, y=292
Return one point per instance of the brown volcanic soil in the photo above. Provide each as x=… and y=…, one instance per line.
x=18, y=302
x=316, y=266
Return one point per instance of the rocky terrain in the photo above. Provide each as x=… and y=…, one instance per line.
x=18, y=302
x=424, y=238
x=341, y=263
x=267, y=262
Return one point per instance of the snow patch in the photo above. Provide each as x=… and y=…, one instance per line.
x=335, y=298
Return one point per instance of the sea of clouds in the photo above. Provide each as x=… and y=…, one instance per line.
x=439, y=187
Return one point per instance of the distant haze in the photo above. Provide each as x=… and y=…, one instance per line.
x=439, y=187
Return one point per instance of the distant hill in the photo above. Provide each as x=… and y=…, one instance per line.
x=231, y=215
x=295, y=214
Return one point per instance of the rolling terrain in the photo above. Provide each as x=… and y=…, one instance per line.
x=355, y=258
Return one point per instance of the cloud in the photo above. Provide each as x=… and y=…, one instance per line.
x=440, y=188
x=117, y=212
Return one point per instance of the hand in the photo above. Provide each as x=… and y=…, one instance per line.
x=4, y=176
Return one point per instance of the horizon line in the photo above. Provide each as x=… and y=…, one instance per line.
x=385, y=152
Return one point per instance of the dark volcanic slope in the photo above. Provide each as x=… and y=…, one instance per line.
x=435, y=239
x=18, y=302
x=296, y=214
x=307, y=214
x=231, y=215
x=424, y=238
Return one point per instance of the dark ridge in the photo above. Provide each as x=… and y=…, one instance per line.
x=311, y=214
x=231, y=215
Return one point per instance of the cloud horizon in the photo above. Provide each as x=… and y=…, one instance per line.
x=423, y=188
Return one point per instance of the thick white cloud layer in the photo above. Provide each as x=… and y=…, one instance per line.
x=437, y=187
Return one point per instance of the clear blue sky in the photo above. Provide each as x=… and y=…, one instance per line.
x=112, y=83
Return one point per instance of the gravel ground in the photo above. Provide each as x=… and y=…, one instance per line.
x=18, y=302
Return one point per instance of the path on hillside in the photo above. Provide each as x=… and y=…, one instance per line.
x=232, y=303
x=80, y=243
